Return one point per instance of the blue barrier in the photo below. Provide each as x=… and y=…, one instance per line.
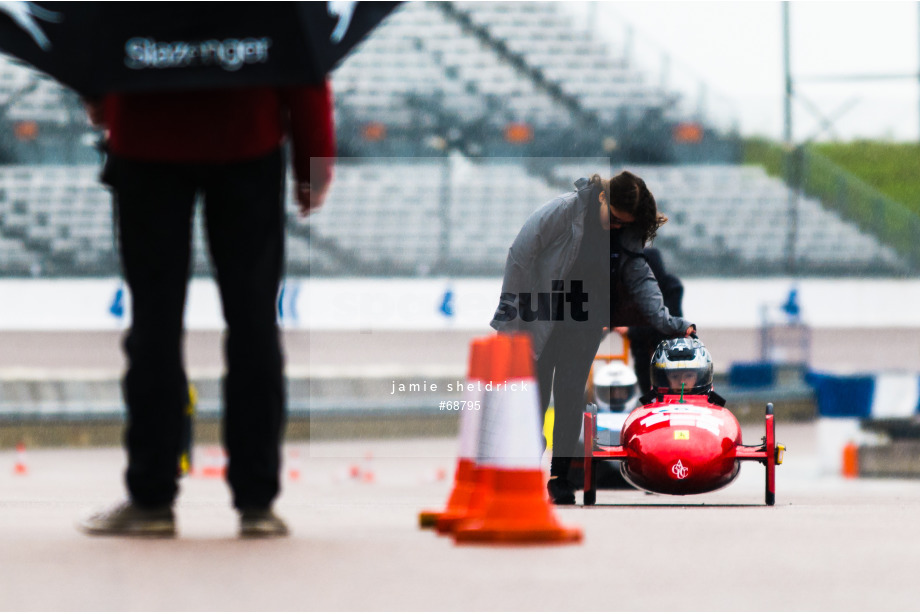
x=866, y=395
x=752, y=374
x=842, y=396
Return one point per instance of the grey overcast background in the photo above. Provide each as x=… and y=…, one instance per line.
x=736, y=49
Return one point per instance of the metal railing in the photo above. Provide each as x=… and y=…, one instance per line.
x=839, y=190
x=890, y=221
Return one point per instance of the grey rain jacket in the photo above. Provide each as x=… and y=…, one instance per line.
x=545, y=250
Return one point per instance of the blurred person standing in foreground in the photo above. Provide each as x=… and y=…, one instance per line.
x=164, y=150
x=583, y=248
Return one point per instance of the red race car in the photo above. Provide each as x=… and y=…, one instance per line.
x=681, y=440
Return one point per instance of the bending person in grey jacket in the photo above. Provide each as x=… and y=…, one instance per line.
x=575, y=269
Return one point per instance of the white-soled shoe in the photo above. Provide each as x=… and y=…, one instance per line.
x=129, y=520
x=262, y=523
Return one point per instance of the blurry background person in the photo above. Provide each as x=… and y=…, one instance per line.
x=164, y=150
x=591, y=241
x=644, y=339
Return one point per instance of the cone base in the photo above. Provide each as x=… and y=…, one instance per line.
x=450, y=521
x=458, y=502
x=479, y=494
x=428, y=520
x=517, y=512
x=473, y=534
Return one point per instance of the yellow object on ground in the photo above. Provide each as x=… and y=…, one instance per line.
x=548, y=426
x=185, y=457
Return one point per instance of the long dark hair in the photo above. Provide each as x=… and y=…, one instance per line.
x=628, y=193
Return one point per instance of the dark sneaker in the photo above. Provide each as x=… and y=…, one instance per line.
x=127, y=519
x=261, y=523
x=561, y=491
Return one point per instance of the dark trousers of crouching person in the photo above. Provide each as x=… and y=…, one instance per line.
x=562, y=370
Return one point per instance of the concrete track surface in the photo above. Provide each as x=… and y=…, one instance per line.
x=828, y=544
x=408, y=352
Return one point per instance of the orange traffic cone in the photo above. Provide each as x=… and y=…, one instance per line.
x=294, y=465
x=363, y=471
x=214, y=464
x=850, y=460
x=464, y=482
x=516, y=509
x=20, y=468
x=499, y=357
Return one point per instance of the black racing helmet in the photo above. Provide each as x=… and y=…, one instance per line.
x=681, y=366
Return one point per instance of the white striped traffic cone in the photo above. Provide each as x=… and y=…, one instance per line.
x=464, y=477
x=512, y=506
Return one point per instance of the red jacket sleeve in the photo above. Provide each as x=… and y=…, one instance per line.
x=312, y=132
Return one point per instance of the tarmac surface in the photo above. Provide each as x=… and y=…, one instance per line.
x=828, y=544
x=411, y=352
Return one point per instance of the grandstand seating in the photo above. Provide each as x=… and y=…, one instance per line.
x=474, y=68
x=40, y=99
x=451, y=77
x=418, y=51
x=740, y=215
x=568, y=55
x=452, y=216
x=59, y=216
x=57, y=221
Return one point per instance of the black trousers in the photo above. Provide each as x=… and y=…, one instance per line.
x=244, y=216
x=562, y=370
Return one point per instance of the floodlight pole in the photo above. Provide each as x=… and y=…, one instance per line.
x=444, y=208
x=787, y=73
x=792, y=160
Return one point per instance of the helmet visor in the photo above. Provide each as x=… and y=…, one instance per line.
x=612, y=395
x=680, y=380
